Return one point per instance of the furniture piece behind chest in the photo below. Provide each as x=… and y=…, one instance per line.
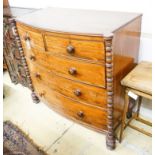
x=138, y=83
x=11, y=55
x=75, y=59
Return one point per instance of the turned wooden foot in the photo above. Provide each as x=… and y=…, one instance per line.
x=110, y=142
x=35, y=97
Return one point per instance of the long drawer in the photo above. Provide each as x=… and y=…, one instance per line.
x=82, y=92
x=85, y=114
x=77, y=46
x=82, y=71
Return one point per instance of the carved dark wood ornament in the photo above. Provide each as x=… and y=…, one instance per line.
x=23, y=60
x=11, y=55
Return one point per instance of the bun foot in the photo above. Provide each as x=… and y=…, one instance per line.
x=110, y=142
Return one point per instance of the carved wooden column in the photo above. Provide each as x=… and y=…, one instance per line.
x=9, y=50
x=23, y=60
x=110, y=138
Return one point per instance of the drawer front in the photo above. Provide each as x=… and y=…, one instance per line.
x=81, y=47
x=75, y=90
x=85, y=114
x=93, y=74
x=30, y=37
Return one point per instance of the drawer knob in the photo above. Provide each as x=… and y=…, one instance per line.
x=37, y=75
x=41, y=94
x=77, y=92
x=32, y=58
x=26, y=37
x=72, y=71
x=81, y=114
x=70, y=49
x=27, y=41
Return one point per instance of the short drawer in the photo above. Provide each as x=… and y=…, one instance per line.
x=30, y=37
x=78, y=70
x=79, y=46
x=81, y=92
x=88, y=115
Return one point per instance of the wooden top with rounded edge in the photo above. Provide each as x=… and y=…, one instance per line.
x=140, y=78
x=78, y=21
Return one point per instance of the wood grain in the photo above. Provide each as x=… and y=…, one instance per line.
x=89, y=94
x=5, y=3
x=140, y=78
x=127, y=39
x=85, y=72
x=76, y=67
x=88, y=49
x=70, y=108
x=123, y=66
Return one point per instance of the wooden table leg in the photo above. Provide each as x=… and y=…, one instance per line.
x=126, y=104
x=139, y=105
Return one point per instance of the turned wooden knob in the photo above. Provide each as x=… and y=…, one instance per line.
x=77, y=92
x=32, y=58
x=70, y=49
x=37, y=75
x=26, y=37
x=72, y=71
x=41, y=94
x=80, y=114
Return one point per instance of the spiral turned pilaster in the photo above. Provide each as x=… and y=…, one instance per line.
x=23, y=59
x=110, y=138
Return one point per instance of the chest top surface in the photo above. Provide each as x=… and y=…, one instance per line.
x=78, y=21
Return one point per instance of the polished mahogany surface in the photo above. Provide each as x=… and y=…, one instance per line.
x=75, y=60
x=78, y=21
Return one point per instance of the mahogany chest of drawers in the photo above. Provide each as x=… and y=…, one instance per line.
x=74, y=61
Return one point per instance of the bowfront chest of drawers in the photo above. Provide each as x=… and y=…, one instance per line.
x=75, y=59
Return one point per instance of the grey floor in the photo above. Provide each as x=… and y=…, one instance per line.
x=57, y=135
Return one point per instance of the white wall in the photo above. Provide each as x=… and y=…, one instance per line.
x=140, y=6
